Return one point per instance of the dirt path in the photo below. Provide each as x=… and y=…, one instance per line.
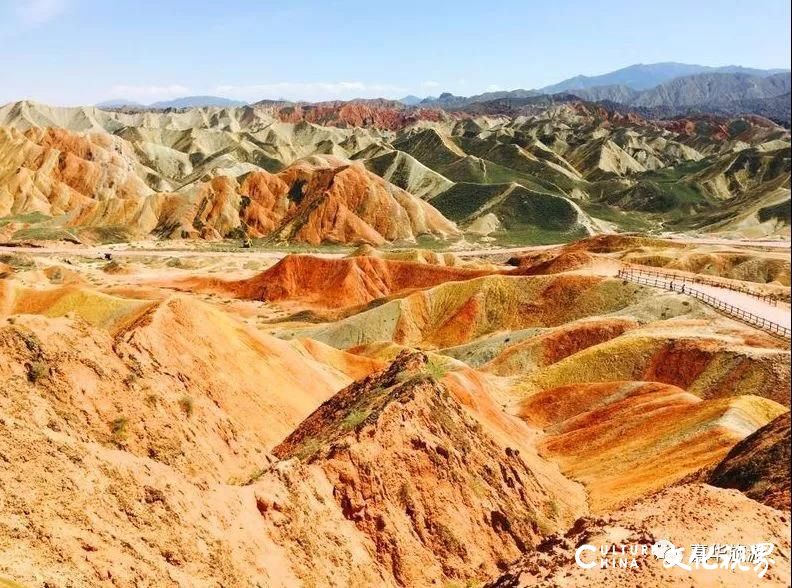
x=151, y=249
x=778, y=313
x=500, y=250
x=774, y=244
x=116, y=252
x=125, y=251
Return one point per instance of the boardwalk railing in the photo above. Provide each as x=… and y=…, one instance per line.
x=768, y=298
x=661, y=281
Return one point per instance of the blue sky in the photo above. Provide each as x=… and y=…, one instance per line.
x=83, y=51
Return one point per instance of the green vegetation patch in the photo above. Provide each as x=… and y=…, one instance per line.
x=41, y=233
x=28, y=218
x=354, y=418
x=349, y=411
x=625, y=220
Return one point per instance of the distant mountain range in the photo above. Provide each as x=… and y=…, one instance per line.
x=184, y=102
x=120, y=103
x=654, y=90
x=776, y=108
x=709, y=88
x=644, y=76
x=662, y=89
x=410, y=100
x=622, y=84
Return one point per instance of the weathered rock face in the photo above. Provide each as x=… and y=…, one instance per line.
x=625, y=440
x=758, y=465
x=334, y=201
x=54, y=171
x=150, y=363
x=403, y=456
x=556, y=344
x=142, y=421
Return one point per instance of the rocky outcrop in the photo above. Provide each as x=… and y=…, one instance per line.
x=403, y=455
x=334, y=201
x=758, y=465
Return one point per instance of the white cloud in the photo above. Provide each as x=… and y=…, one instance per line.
x=36, y=12
x=310, y=91
x=494, y=88
x=148, y=93
x=430, y=84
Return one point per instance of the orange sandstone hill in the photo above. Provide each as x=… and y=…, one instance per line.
x=338, y=283
x=759, y=465
x=307, y=281
x=101, y=181
x=418, y=474
x=325, y=199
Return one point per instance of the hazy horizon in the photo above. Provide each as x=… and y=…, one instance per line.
x=70, y=52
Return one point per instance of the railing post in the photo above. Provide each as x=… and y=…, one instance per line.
x=730, y=309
